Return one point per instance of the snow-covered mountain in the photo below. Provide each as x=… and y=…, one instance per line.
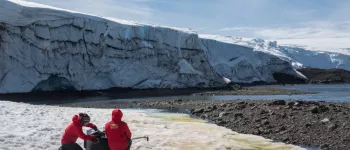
x=337, y=45
x=44, y=48
x=298, y=56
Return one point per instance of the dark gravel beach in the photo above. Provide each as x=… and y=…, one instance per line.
x=318, y=124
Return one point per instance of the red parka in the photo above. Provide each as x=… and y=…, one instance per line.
x=117, y=132
x=74, y=130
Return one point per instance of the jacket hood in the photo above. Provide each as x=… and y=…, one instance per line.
x=117, y=115
x=76, y=120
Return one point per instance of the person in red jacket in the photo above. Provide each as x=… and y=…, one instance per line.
x=117, y=132
x=74, y=130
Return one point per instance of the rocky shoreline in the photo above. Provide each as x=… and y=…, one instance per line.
x=315, y=124
x=315, y=76
x=252, y=91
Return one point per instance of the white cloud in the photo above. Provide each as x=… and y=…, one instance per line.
x=327, y=44
x=301, y=31
x=318, y=35
x=297, y=33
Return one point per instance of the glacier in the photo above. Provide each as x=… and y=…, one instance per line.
x=298, y=56
x=41, y=44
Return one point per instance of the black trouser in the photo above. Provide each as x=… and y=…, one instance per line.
x=129, y=144
x=70, y=146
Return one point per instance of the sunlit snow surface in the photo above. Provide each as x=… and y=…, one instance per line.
x=34, y=127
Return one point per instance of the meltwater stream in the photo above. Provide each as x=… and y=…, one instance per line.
x=326, y=92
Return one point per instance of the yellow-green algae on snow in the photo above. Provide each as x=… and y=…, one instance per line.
x=228, y=139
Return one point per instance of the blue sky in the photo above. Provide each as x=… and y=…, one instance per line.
x=268, y=19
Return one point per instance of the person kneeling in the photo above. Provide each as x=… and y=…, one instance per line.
x=118, y=132
x=74, y=130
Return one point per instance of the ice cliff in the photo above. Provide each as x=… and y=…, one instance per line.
x=46, y=48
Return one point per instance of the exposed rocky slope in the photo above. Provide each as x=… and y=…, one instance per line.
x=326, y=76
